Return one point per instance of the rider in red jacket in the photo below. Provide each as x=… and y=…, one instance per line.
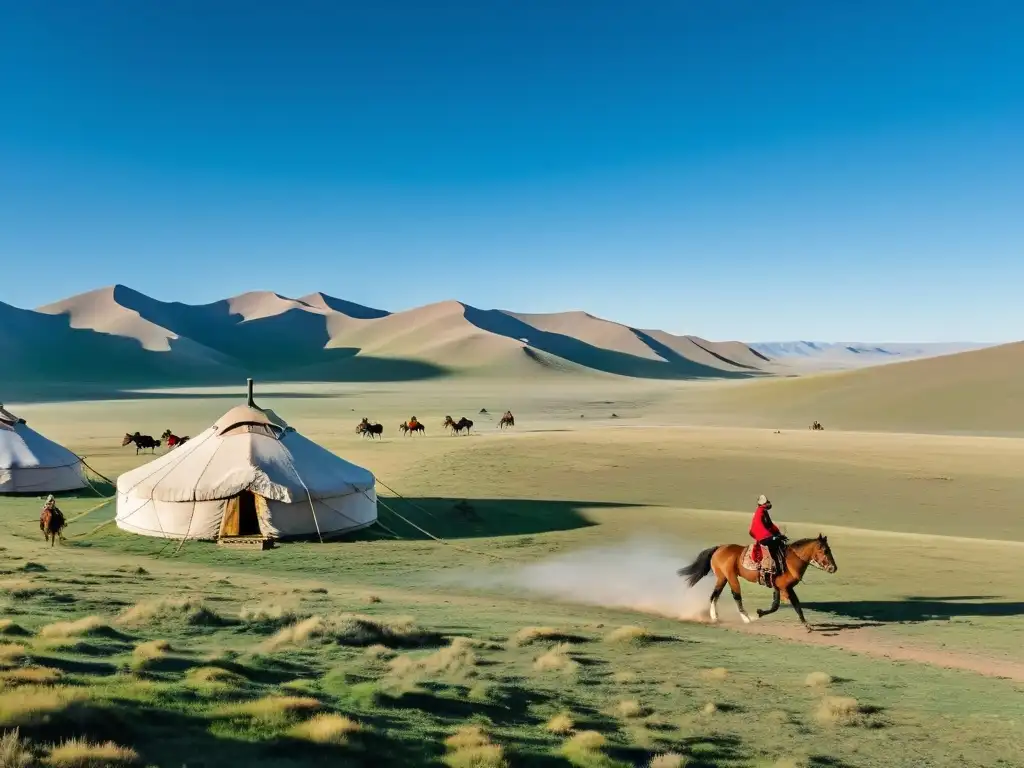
x=767, y=533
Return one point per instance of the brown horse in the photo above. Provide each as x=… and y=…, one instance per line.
x=457, y=426
x=52, y=523
x=172, y=439
x=508, y=420
x=366, y=429
x=141, y=441
x=726, y=562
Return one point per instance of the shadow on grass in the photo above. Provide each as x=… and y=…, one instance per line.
x=446, y=518
x=459, y=518
x=917, y=609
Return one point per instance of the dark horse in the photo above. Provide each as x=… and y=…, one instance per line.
x=141, y=441
x=508, y=420
x=52, y=523
x=366, y=429
x=457, y=426
x=172, y=439
x=726, y=562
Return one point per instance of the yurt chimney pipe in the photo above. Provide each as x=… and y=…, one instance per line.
x=249, y=401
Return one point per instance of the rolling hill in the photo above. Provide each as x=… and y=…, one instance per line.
x=979, y=391
x=123, y=337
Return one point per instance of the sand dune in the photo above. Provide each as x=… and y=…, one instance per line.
x=320, y=336
x=854, y=354
x=976, y=391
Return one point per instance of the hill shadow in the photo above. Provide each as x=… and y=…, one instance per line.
x=918, y=609
x=675, y=366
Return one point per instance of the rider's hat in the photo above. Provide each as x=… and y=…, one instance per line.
x=762, y=500
x=50, y=499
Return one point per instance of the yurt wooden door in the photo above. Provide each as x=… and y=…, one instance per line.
x=241, y=517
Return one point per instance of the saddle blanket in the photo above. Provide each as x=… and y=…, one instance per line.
x=757, y=558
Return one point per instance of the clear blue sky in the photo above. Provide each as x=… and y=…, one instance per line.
x=755, y=170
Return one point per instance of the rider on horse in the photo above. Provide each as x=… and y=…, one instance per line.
x=412, y=423
x=55, y=513
x=767, y=534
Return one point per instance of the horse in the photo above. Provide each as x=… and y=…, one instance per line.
x=458, y=426
x=508, y=420
x=141, y=441
x=366, y=429
x=172, y=439
x=52, y=524
x=725, y=561
x=816, y=427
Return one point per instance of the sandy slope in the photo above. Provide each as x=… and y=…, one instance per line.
x=976, y=391
x=323, y=336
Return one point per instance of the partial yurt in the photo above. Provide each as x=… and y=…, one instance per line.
x=248, y=475
x=29, y=463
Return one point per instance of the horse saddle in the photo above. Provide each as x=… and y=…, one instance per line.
x=757, y=558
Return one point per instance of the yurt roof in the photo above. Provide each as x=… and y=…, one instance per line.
x=8, y=418
x=247, y=449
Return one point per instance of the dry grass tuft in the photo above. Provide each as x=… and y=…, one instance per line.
x=360, y=630
x=629, y=634
x=9, y=629
x=470, y=747
x=268, y=614
x=818, y=680
x=667, y=760
x=561, y=724
x=625, y=678
x=372, y=599
x=326, y=729
x=79, y=753
x=352, y=629
x=148, y=653
x=715, y=675
x=584, y=749
x=11, y=654
x=839, y=710
x=31, y=705
x=530, y=635
x=379, y=651
x=630, y=708
x=14, y=753
x=709, y=709
x=457, y=660
x=298, y=634
x=273, y=709
x=188, y=610
x=556, y=659
x=85, y=627
x=29, y=676
x=22, y=588
x=215, y=677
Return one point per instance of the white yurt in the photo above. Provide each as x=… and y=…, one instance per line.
x=250, y=474
x=29, y=463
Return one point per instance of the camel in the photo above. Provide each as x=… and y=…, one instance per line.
x=366, y=429
x=508, y=420
x=458, y=426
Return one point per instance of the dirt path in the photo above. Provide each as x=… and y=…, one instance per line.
x=867, y=640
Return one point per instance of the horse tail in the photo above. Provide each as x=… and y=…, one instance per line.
x=699, y=568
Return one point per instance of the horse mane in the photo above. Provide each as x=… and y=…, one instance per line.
x=801, y=542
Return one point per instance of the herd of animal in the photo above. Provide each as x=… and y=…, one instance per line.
x=414, y=426
x=365, y=428
x=147, y=441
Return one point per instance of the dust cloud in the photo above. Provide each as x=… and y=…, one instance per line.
x=639, y=574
